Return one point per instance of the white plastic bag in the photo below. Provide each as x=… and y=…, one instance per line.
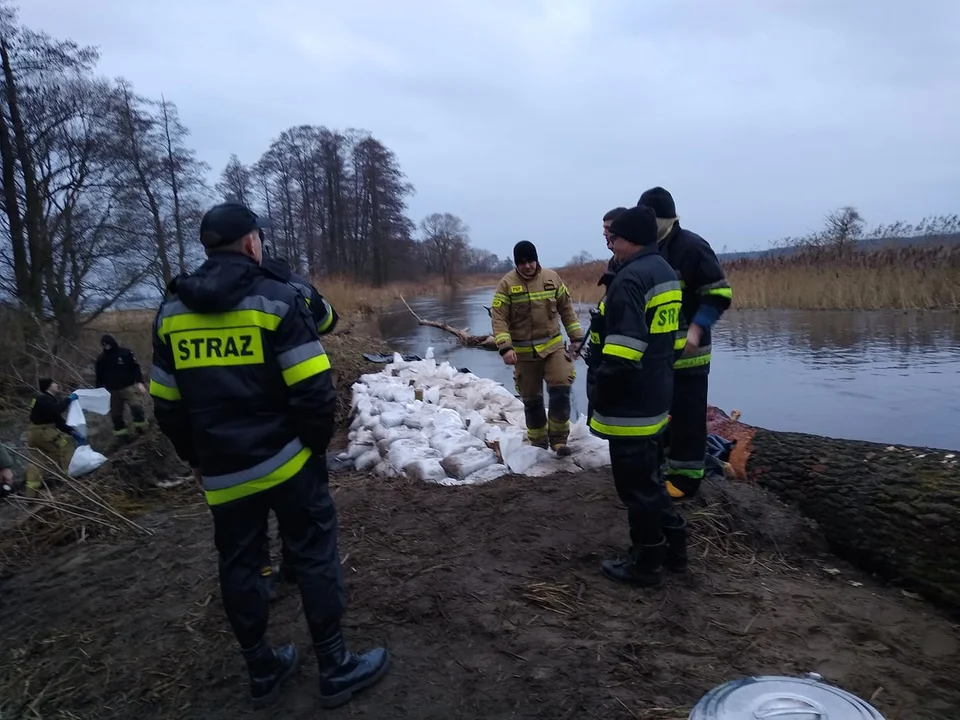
x=75, y=418
x=95, y=400
x=85, y=460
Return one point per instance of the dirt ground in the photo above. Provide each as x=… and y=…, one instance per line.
x=491, y=602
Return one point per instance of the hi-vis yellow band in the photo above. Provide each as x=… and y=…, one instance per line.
x=217, y=347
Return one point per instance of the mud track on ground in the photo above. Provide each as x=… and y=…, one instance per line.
x=491, y=602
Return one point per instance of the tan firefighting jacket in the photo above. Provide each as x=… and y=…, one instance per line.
x=526, y=314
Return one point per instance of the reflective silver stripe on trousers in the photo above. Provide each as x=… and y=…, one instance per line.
x=630, y=422
x=253, y=302
x=221, y=482
x=660, y=288
x=626, y=341
x=164, y=378
x=703, y=289
x=300, y=353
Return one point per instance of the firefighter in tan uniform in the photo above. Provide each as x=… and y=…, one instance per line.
x=527, y=308
x=47, y=433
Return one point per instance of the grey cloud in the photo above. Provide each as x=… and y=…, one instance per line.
x=531, y=118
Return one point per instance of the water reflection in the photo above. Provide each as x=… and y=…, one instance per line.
x=887, y=377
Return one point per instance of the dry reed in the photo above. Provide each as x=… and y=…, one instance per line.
x=906, y=278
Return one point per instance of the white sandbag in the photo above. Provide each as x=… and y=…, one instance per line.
x=461, y=464
x=385, y=469
x=432, y=395
x=95, y=400
x=404, y=452
x=75, y=418
x=393, y=418
x=524, y=458
x=551, y=465
x=426, y=470
x=85, y=460
x=487, y=474
x=355, y=449
x=592, y=459
x=451, y=442
x=367, y=461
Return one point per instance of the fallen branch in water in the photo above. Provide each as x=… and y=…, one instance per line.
x=485, y=342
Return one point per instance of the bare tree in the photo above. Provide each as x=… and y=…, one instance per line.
x=236, y=182
x=447, y=238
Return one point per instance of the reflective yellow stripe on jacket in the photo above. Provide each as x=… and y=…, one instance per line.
x=281, y=467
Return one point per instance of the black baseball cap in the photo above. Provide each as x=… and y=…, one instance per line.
x=227, y=223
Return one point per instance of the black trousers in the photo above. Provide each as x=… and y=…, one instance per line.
x=307, y=518
x=638, y=476
x=686, y=436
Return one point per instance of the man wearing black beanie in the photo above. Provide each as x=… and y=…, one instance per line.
x=706, y=296
x=526, y=311
x=631, y=393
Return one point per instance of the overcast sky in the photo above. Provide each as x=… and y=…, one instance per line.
x=531, y=118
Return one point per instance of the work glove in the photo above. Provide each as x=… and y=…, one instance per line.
x=74, y=396
x=79, y=438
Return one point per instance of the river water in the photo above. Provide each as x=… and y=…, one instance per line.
x=887, y=377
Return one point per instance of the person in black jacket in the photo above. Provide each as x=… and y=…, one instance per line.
x=326, y=318
x=322, y=311
x=118, y=370
x=593, y=349
x=706, y=296
x=242, y=387
x=47, y=431
x=631, y=397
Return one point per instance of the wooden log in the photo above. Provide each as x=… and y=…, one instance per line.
x=485, y=342
x=893, y=510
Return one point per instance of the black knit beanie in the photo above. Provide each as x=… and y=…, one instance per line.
x=638, y=225
x=661, y=201
x=44, y=383
x=525, y=251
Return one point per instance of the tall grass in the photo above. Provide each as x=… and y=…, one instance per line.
x=918, y=277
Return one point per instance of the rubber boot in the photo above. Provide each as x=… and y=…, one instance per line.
x=344, y=673
x=562, y=450
x=268, y=668
x=676, y=558
x=643, y=567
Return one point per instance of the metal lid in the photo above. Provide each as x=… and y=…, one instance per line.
x=772, y=697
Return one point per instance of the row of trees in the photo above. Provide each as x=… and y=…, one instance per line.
x=102, y=194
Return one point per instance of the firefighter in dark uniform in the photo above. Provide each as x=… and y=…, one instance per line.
x=631, y=397
x=593, y=347
x=118, y=370
x=241, y=386
x=706, y=296
x=326, y=319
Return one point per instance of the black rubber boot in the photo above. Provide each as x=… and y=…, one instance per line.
x=268, y=668
x=344, y=673
x=643, y=567
x=676, y=558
